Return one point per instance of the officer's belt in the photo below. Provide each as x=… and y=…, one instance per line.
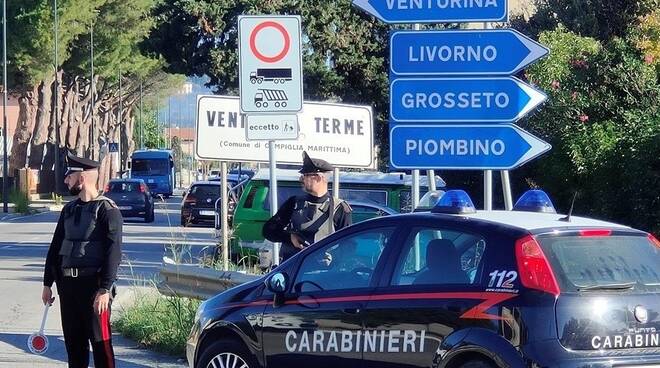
x=78, y=272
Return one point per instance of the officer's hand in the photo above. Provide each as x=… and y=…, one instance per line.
x=296, y=241
x=47, y=295
x=101, y=302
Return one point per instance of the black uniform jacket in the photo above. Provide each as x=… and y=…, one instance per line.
x=108, y=230
x=276, y=229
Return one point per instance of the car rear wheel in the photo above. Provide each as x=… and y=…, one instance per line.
x=226, y=354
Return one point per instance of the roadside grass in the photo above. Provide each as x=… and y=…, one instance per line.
x=158, y=322
x=163, y=323
x=21, y=201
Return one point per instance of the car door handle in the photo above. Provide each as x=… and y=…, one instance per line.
x=355, y=310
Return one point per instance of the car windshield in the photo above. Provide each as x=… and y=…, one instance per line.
x=603, y=260
x=124, y=187
x=205, y=191
x=144, y=167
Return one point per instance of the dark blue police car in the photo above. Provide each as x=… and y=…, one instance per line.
x=452, y=287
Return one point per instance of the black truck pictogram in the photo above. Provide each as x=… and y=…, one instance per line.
x=265, y=96
x=277, y=75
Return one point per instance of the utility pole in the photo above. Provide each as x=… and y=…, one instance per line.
x=56, y=97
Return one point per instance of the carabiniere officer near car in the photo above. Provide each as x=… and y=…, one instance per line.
x=305, y=219
x=82, y=260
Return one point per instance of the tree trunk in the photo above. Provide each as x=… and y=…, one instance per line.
x=36, y=129
x=26, y=117
x=72, y=115
x=43, y=119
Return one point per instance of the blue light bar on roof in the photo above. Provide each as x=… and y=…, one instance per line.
x=534, y=201
x=454, y=202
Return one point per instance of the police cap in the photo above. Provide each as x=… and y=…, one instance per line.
x=79, y=164
x=314, y=165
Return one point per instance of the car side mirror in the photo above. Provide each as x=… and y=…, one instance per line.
x=277, y=283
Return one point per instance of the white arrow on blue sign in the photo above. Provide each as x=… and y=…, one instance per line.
x=468, y=52
x=455, y=100
x=462, y=147
x=435, y=11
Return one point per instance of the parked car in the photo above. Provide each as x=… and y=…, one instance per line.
x=453, y=288
x=199, y=203
x=363, y=211
x=132, y=196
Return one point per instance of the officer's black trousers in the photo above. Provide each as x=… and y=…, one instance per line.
x=82, y=325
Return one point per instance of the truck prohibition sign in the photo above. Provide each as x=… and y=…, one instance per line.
x=277, y=75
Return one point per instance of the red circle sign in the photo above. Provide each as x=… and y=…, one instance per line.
x=253, y=44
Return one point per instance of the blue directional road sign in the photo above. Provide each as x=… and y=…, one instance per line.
x=462, y=147
x=435, y=11
x=468, y=52
x=454, y=100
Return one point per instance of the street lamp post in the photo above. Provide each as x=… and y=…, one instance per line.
x=169, y=120
x=56, y=95
x=141, y=130
x=91, y=48
x=5, y=172
x=119, y=119
x=158, y=119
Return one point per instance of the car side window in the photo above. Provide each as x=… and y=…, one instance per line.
x=434, y=256
x=343, y=264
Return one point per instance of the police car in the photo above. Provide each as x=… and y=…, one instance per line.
x=452, y=287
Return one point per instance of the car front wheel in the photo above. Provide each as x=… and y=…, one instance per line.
x=226, y=354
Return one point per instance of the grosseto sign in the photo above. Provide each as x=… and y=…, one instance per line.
x=340, y=134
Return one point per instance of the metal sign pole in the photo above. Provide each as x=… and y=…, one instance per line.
x=415, y=173
x=488, y=177
x=415, y=189
x=430, y=176
x=506, y=188
x=335, y=183
x=488, y=190
x=225, y=214
x=273, y=194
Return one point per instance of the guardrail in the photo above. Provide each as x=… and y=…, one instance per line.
x=192, y=281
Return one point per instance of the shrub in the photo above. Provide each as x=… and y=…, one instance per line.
x=20, y=200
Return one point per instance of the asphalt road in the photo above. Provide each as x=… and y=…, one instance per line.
x=24, y=243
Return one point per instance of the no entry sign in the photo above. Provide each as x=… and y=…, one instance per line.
x=270, y=64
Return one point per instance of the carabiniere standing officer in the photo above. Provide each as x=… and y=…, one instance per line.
x=82, y=260
x=306, y=219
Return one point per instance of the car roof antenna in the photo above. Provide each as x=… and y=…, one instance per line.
x=570, y=211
